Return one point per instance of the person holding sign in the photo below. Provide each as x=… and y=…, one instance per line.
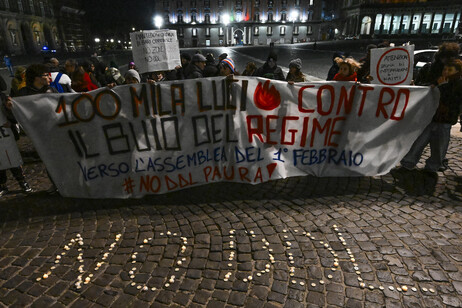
x=438, y=132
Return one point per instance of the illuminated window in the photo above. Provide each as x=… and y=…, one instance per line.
x=207, y=31
x=256, y=31
x=220, y=31
x=194, y=32
x=378, y=23
x=427, y=19
x=448, y=22
x=282, y=30
x=269, y=30
x=309, y=30
x=437, y=23
x=295, y=30
x=416, y=23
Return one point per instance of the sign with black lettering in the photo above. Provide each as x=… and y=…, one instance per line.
x=392, y=66
x=155, y=50
x=143, y=139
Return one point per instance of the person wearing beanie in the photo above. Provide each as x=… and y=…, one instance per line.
x=295, y=74
x=227, y=67
x=210, y=69
x=181, y=69
x=221, y=58
x=270, y=69
x=132, y=76
x=196, y=68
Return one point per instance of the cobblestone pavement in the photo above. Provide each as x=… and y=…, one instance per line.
x=393, y=241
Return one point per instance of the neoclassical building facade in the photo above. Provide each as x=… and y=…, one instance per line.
x=30, y=26
x=247, y=22
x=394, y=18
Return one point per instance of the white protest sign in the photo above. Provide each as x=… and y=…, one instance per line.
x=155, y=50
x=9, y=153
x=392, y=66
x=144, y=139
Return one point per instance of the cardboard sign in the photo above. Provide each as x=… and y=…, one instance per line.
x=143, y=139
x=155, y=50
x=9, y=152
x=392, y=66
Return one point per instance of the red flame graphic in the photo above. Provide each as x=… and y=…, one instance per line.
x=266, y=97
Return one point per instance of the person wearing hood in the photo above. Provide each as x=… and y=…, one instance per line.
x=333, y=70
x=132, y=77
x=210, y=69
x=270, y=69
x=196, y=68
x=295, y=74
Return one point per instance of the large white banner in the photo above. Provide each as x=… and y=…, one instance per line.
x=143, y=139
x=392, y=66
x=155, y=50
x=9, y=152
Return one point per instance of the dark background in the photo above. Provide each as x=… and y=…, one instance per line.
x=113, y=17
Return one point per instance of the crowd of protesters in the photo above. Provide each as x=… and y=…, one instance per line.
x=49, y=77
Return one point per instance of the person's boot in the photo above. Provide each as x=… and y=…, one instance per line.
x=3, y=190
x=25, y=187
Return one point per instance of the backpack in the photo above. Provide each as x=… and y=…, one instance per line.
x=55, y=84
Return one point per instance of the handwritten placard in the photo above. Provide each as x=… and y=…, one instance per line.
x=392, y=66
x=155, y=50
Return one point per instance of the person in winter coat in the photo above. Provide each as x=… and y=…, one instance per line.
x=181, y=69
x=227, y=67
x=210, y=69
x=196, y=68
x=438, y=132
x=295, y=74
x=250, y=69
x=19, y=81
x=38, y=80
x=81, y=81
x=270, y=69
x=347, y=69
x=333, y=70
x=430, y=73
x=364, y=71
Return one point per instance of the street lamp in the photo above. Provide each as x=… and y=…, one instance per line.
x=226, y=20
x=158, y=21
x=293, y=16
x=97, y=40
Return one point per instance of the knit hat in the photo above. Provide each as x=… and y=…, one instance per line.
x=210, y=57
x=185, y=56
x=198, y=58
x=273, y=55
x=229, y=62
x=132, y=74
x=223, y=56
x=297, y=63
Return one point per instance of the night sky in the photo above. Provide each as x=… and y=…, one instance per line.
x=118, y=16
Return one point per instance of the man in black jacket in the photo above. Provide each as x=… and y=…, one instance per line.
x=196, y=68
x=270, y=69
